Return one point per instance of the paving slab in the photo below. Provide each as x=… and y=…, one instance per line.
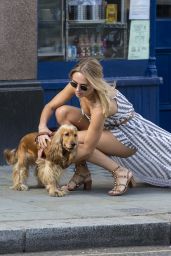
x=34, y=221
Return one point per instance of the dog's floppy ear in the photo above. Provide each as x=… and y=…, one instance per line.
x=55, y=151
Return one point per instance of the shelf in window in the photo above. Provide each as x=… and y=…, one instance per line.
x=48, y=54
x=48, y=20
x=116, y=25
x=49, y=51
x=71, y=22
x=94, y=23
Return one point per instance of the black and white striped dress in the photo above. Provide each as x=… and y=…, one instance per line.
x=152, y=161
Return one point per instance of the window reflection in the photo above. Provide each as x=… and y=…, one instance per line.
x=164, y=8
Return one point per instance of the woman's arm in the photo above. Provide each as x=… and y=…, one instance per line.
x=93, y=135
x=48, y=110
x=56, y=102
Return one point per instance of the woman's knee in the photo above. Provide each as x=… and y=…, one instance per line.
x=62, y=114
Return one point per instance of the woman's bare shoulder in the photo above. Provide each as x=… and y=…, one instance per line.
x=112, y=91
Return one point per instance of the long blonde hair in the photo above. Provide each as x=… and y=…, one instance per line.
x=92, y=70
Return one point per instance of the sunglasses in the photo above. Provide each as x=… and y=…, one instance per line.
x=83, y=87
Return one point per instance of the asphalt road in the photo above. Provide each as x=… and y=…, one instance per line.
x=127, y=251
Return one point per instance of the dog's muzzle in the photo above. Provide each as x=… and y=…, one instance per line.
x=71, y=146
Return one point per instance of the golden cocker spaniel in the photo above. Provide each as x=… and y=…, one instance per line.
x=58, y=155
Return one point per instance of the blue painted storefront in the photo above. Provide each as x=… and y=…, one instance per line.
x=138, y=79
x=163, y=57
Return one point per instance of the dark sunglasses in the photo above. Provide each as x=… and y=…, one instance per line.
x=83, y=87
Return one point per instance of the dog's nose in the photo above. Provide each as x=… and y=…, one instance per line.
x=73, y=144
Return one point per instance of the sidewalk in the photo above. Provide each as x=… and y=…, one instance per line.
x=34, y=221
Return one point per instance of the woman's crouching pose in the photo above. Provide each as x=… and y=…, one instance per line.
x=111, y=134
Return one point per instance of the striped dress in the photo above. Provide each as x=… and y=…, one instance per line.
x=152, y=161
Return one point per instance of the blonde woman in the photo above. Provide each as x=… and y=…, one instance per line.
x=111, y=134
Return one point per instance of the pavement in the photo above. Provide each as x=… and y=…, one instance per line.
x=33, y=221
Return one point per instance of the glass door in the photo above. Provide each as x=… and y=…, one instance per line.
x=50, y=28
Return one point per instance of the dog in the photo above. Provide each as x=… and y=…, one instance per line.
x=58, y=155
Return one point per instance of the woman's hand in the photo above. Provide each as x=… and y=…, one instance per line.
x=42, y=139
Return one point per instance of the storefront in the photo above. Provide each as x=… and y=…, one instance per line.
x=163, y=60
x=41, y=40
x=120, y=33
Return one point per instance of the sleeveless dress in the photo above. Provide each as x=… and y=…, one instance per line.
x=152, y=161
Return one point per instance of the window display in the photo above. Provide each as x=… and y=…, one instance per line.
x=86, y=28
x=50, y=28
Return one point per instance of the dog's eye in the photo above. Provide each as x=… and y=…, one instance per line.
x=67, y=134
x=75, y=135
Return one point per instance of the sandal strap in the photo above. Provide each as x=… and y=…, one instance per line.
x=84, y=176
x=119, y=187
x=120, y=175
x=113, y=172
x=81, y=176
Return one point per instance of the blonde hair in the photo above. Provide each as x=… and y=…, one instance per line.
x=92, y=70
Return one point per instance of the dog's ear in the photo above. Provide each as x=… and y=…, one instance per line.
x=55, y=151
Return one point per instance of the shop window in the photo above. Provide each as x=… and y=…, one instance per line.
x=164, y=9
x=50, y=29
x=74, y=29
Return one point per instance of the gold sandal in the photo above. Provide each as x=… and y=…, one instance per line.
x=117, y=191
x=81, y=176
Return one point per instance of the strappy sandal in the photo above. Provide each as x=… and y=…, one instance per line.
x=117, y=190
x=81, y=176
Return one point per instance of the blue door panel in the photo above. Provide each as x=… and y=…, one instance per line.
x=163, y=56
x=163, y=33
x=165, y=117
x=164, y=69
x=144, y=99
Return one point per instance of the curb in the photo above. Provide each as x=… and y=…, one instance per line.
x=88, y=233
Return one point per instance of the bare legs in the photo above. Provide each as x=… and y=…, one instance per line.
x=82, y=175
x=108, y=145
x=72, y=115
x=121, y=175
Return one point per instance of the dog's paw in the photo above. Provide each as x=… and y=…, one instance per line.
x=58, y=192
x=65, y=189
x=20, y=187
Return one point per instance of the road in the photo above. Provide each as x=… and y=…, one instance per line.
x=127, y=251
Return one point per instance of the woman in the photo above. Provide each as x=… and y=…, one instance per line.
x=109, y=126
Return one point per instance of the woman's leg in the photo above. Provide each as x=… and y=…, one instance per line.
x=108, y=144
x=122, y=176
x=73, y=115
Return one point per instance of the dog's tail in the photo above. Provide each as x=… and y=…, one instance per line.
x=10, y=156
